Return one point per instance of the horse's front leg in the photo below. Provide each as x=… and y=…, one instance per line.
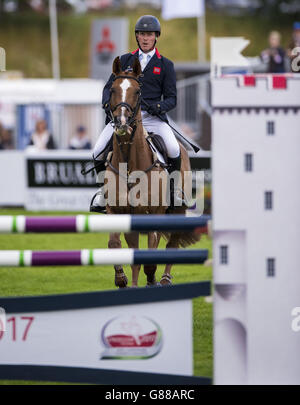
x=166, y=278
x=150, y=269
x=114, y=242
x=132, y=239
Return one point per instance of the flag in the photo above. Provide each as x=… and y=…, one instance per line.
x=226, y=51
x=182, y=9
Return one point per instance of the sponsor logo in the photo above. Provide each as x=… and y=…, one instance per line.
x=131, y=338
x=106, y=47
x=55, y=173
x=156, y=70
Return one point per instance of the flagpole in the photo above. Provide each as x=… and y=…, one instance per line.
x=54, y=39
x=201, y=32
x=201, y=38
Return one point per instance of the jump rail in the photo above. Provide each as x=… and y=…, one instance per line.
x=20, y=258
x=104, y=223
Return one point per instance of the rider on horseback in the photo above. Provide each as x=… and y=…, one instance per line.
x=158, y=97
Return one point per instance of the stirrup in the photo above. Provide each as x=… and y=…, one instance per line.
x=98, y=206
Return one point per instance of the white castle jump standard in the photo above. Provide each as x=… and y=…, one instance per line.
x=256, y=228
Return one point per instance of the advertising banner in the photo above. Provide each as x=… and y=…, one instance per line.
x=109, y=40
x=131, y=338
x=133, y=330
x=55, y=182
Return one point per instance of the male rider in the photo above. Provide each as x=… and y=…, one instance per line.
x=158, y=90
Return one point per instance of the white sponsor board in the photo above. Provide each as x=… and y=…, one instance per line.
x=55, y=182
x=51, y=180
x=149, y=337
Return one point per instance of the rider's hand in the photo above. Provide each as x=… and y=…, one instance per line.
x=154, y=109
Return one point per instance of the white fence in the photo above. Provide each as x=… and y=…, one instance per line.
x=193, y=108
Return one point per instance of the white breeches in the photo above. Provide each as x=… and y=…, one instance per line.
x=152, y=124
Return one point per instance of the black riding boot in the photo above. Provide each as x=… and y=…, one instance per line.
x=98, y=200
x=175, y=195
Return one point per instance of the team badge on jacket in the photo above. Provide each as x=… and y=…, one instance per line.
x=156, y=70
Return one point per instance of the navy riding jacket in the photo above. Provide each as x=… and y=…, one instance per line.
x=158, y=82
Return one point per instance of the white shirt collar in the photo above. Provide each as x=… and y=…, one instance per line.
x=151, y=53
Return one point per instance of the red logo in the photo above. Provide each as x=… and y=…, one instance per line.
x=105, y=47
x=156, y=70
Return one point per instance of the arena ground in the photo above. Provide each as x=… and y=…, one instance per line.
x=60, y=280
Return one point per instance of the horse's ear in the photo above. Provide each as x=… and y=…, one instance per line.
x=117, y=66
x=136, y=68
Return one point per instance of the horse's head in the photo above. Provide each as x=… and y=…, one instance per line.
x=125, y=97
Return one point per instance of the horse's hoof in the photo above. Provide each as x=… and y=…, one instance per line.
x=155, y=284
x=166, y=279
x=165, y=282
x=208, y=262
x=121, y=284
x=121, y=280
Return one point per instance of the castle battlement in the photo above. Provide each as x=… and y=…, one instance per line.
x=256, y=91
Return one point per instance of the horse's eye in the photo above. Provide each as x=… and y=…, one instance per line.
x=138, y=92
x=112, y=90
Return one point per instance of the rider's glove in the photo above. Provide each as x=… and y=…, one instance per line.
x=154, y=109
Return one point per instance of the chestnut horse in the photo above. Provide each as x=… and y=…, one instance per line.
x=131, y=147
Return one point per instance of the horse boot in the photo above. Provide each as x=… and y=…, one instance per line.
x=175, y=195
x=98, y=201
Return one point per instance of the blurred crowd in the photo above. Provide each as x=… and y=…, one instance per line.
x=278, y=59
x=41, y=138
x=6, y=138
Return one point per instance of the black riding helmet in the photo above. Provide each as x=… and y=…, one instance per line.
x=148, y=23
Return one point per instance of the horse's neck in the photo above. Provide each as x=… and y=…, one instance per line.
x=140, y=154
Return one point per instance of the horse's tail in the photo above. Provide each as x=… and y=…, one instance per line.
x=187, y=238
x=184, y=239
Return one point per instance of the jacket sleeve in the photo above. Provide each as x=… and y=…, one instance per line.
x=169, y=89
x=106, y=90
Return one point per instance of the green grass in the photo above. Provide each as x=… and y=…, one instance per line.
x=60, y=280
x=26, y=38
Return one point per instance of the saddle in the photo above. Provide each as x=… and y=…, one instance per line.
x=158, y=147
